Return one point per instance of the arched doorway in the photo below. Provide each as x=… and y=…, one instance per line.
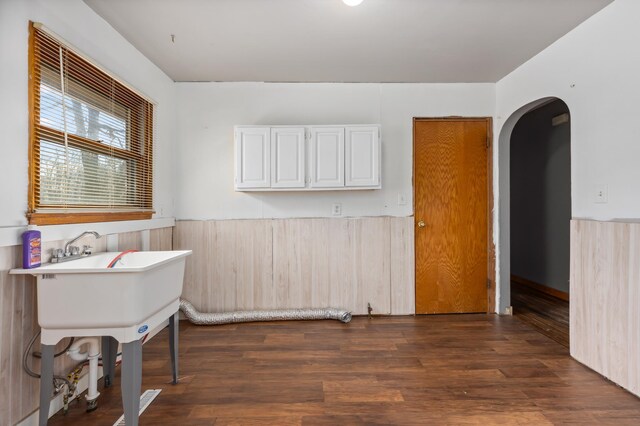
x=535, y=212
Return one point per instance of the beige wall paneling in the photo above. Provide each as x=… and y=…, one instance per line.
x=633, y=307
x=230, y=268
x=372, y=264
x=161, y=239
x=605, y=299
x=616, y=314
x=317, y=273
x=342, y=285
x=242, y=261
x=293, y=263
x=130, y=241
x=191, y=235
x=332, y=262
x=16, y=399
x=578, y=293
x=300, y=263
x=403, y=288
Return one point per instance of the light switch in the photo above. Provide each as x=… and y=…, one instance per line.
x=402, y=200
x=601, y=193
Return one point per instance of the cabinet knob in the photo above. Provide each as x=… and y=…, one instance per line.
x=421, y=224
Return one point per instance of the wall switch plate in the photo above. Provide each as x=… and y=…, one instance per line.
x=601, y=193
x=336, y=209
x=402, y=200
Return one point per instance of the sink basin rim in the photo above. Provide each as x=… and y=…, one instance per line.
x=67, y=267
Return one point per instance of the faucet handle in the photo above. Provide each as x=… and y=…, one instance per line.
x=86, y=250
x=57, y=253
x=74, y=250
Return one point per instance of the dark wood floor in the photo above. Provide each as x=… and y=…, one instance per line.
x=548, y=314
x=457, y=369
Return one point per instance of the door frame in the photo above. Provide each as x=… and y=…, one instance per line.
x=491, y=247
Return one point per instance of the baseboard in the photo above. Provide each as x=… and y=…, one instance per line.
x=541, y=288
x=57, y=403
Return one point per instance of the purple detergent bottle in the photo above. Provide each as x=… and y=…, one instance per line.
x=31, y=248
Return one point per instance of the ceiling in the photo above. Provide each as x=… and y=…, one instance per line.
x=327, y=41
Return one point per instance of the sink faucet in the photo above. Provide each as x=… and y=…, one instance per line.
x=71, y=252
x=68, y=246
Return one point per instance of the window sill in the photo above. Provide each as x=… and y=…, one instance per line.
x=72, y=217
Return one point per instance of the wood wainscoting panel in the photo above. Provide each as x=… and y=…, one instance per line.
x=161, y=239
x=18, y=395
x=190, y=234
x=249, y=262
x=633, y=306
x=299, y=263
x=605, y=300
x=403, y=289
x=371, y=269
x=301, y=266
x=130, y=241
x=231, y=265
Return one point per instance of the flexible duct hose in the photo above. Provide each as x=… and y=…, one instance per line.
x=200, y=318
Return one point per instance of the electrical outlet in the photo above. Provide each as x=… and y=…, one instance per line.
x=402, y=200
x=336, y=209
x=601, y=193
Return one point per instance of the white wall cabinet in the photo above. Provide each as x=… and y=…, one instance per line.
x=362, y=157
x=326, y=157
x=253, y=157
x=307, y=158
x=287, y=157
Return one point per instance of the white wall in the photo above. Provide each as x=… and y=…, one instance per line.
x=594, y=69
x=207, y=113
x=601, y=58
x=74, y=21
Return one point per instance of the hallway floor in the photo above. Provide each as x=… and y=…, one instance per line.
x=547, y=314
x=453, y=369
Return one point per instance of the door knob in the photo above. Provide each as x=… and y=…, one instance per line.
x=421, y=224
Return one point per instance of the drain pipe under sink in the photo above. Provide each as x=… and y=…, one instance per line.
x=93, y=355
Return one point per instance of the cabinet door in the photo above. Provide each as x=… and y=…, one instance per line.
x=253, y=151
x=326, y=159
x=287, y=157
x=362, y=162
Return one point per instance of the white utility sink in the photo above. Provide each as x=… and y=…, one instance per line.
x=85, y=298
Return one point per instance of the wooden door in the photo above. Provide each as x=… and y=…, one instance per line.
x=362, y=156
x=287, y=157
x=450, y=184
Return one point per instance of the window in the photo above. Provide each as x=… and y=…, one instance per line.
x=91, y=140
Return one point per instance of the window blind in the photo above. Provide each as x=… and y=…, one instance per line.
x=91, y=136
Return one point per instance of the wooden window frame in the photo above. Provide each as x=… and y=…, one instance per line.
x=140, y=148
